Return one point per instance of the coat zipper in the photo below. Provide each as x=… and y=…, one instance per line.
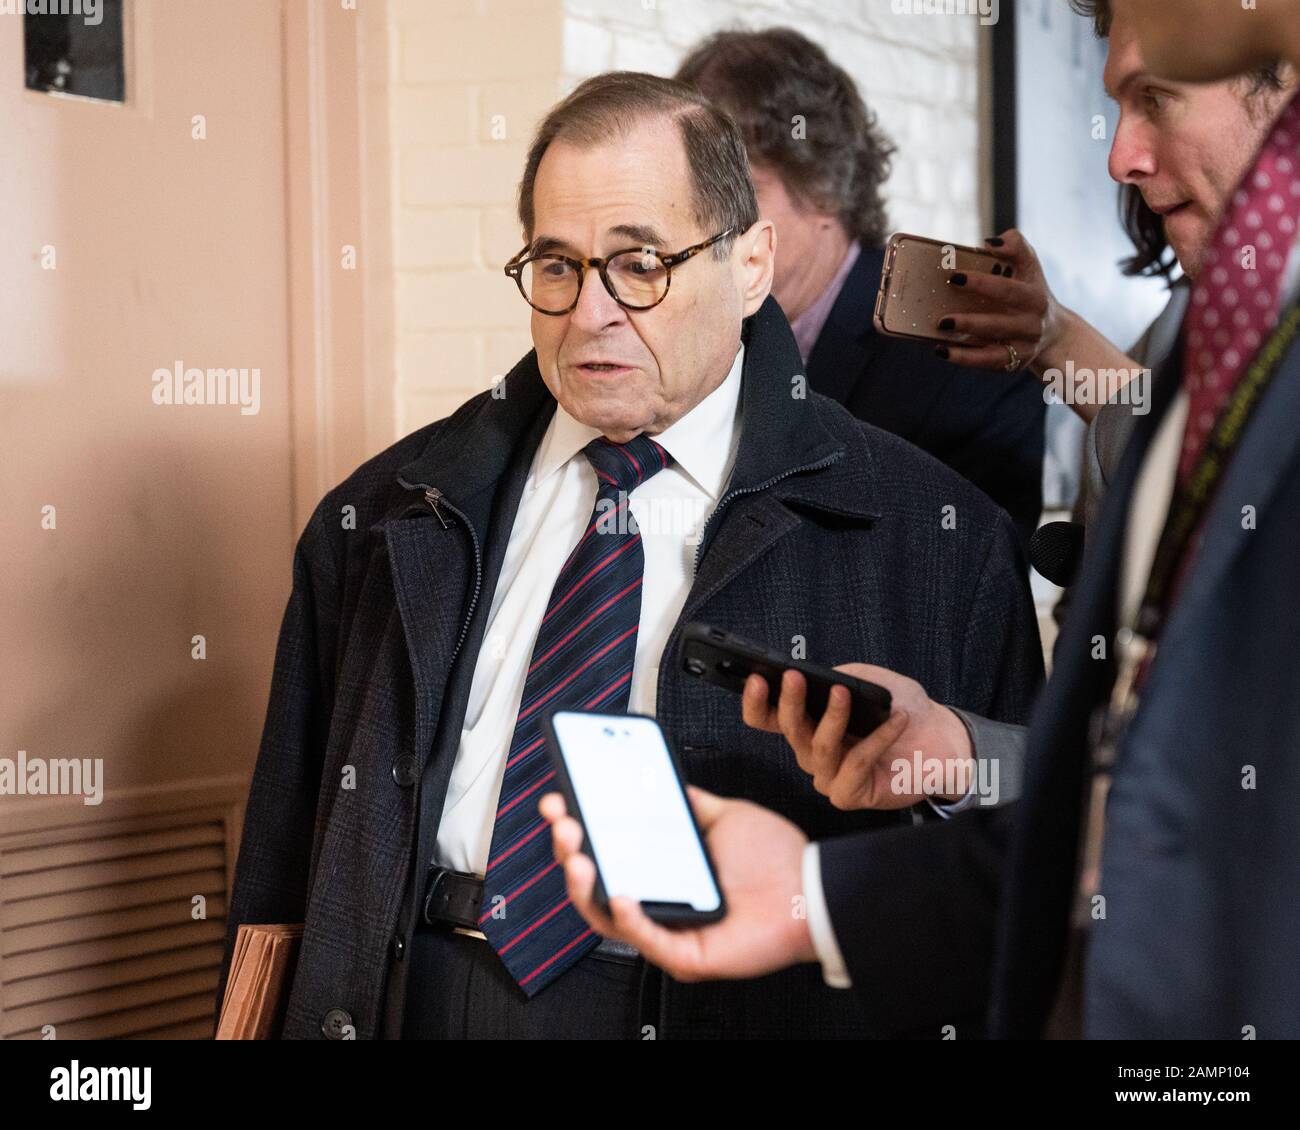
x=726, y=498
x=433, y=496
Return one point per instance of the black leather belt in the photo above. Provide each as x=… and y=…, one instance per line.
x=452, y=898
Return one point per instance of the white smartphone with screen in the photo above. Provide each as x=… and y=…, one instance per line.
x=624, y=786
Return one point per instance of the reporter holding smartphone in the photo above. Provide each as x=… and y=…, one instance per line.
x=771, y=872
x=925, y=752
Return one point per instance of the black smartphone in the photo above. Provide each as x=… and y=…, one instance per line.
x=727, y=660
x=624, y=785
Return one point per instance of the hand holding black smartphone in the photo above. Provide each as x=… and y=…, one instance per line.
x=726, y=660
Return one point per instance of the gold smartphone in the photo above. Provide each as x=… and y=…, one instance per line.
x=914, y=291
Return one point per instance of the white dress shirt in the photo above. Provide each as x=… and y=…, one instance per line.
x=559, y=498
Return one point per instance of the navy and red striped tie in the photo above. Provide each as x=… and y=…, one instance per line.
x=582, y=660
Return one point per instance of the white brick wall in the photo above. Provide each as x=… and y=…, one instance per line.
x=470, y=78
x=464, y=71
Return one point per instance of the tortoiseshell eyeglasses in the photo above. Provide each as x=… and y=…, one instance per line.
x=637, y=278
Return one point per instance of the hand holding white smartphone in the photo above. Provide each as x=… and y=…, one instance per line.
x=622, y=783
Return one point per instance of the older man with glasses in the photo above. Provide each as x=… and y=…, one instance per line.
x=394, y=807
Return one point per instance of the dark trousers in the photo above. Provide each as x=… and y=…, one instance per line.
x=457, y=989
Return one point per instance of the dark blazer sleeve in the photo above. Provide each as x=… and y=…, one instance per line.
x=914, y=910
x=1001, y=665
x=272, y=872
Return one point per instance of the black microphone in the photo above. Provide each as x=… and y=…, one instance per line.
x=1055, y=551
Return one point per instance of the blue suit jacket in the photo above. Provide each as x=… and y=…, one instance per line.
x=1200, y=873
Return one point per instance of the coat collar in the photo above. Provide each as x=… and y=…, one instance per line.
x=782, y=432
x=848, y=338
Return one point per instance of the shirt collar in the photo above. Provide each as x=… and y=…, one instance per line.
x=808, y=326
x=702, y=443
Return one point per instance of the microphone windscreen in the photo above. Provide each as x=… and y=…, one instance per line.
x=1055, y=550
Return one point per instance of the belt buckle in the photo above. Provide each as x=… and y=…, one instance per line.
x=441, y=895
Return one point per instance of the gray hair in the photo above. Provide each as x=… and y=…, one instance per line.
x=601, y=110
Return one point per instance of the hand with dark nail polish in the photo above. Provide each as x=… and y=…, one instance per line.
x=941, y=351
x=947, y=324
x=959, y=279
x=994, y=241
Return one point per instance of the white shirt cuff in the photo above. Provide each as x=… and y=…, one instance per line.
x=948, y=809
x=834, y=972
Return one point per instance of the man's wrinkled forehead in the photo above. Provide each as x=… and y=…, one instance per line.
x=637, y=181
x=626, y=236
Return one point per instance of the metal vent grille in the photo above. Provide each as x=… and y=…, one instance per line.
x=97, y=930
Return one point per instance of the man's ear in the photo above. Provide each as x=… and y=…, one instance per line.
x=755, y=257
